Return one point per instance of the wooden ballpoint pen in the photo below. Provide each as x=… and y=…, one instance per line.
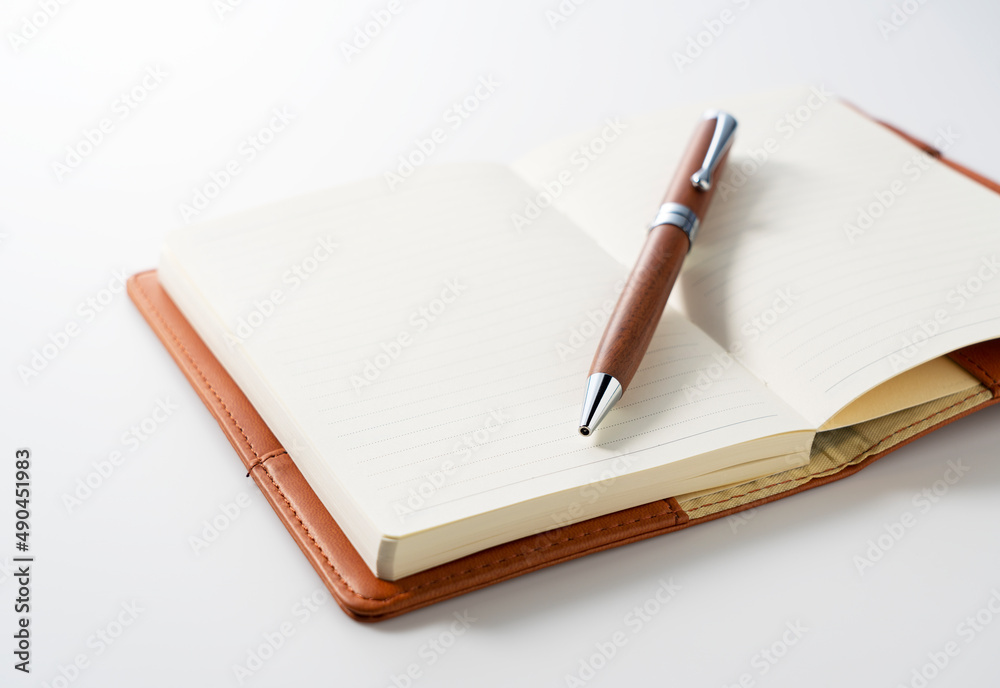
x=631, y=325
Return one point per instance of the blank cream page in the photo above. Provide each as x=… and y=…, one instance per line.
x=835, y=255
x=423, y=360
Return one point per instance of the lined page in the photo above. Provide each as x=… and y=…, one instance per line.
x=834, y=257
x=431, y=367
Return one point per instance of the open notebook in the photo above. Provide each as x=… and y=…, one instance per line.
x=420, y=352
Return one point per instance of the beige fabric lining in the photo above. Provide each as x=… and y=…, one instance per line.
x=834, y=450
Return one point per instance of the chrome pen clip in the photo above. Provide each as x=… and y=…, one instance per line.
x=722, y=138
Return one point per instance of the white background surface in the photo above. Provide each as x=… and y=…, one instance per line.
x=740, y=583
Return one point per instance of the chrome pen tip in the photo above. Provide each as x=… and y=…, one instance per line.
x=602, y=392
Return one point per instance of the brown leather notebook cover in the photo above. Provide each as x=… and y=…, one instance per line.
x=367, y=598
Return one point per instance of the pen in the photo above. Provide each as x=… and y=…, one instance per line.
x=637, y=313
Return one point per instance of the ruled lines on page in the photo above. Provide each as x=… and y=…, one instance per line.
x=439, y=352
x=851, y=258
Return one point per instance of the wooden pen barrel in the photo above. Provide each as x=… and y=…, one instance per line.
x=645, y=295
x=634, y=320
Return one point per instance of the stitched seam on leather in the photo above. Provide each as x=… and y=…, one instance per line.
x=985, y=372
x=316, y=544
x=536, y=549
x=828, y=471
x=163, y=322
x=489, y=564
x=266, y=457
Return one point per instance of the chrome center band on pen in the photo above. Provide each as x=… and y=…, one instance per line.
x=679, y=216
x=603, y=391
